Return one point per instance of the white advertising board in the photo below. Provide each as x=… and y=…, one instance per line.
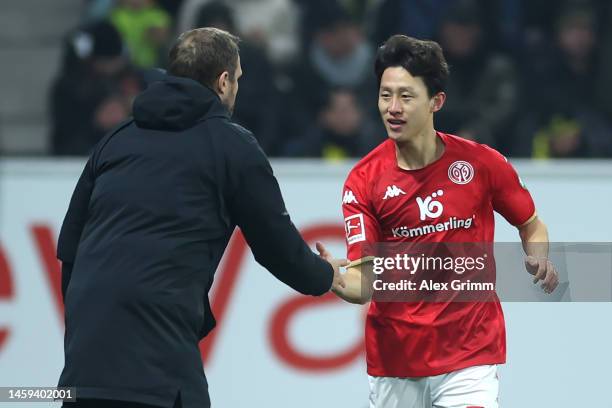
x=274, y=348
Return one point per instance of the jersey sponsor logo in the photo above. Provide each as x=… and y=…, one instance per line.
x=451, y=224
x=354, y=228
x=349, y=198
x=460, y=172
x=429, y=207
x=393, y=191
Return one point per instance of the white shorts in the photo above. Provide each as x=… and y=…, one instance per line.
x=476, y=387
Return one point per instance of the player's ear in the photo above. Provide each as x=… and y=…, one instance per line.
x=436, y=103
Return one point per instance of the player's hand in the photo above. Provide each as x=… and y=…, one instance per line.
x=544, y=270
x=336, y=264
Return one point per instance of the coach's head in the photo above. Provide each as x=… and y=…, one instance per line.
x=209, y=56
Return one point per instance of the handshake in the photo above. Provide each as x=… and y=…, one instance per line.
x=348, y=286
x=338, y=282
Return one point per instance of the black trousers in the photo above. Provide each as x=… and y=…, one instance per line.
x=105, y=403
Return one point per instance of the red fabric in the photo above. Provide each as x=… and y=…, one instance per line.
x=425, y=339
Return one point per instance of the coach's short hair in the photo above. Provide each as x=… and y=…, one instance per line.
x=419, y=57
x=203, y=54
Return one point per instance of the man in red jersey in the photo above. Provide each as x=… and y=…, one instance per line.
x=423, y=186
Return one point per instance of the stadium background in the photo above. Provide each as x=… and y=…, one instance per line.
x=531, y=78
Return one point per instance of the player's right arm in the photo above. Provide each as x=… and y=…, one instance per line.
x=362, y=233
x=358, y=278
x=358, y=281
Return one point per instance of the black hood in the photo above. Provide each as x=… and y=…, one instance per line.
x=173, y=103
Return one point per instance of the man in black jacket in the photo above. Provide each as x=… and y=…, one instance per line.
x=147, y=225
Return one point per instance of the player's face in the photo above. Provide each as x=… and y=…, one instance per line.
x=404, y=104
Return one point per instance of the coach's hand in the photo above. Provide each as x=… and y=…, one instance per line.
x=543, y=270
x=336, y=264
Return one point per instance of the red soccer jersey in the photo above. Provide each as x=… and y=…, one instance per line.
x=449, y=200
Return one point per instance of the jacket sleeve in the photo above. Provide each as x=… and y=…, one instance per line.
x=257, y=207
x=74, y=222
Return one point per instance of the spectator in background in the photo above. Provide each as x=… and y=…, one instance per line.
x=539, y=18
x=483, y=86
x=337, y=55
x=341, y=130
x=604, y=88
x=271, y=24
x=257, y=103
x=173, y=7
x=502, y=20
x=145, y=28
x=357, y=9
x=100, y=9
x=562, y=117
x=93, y=92
x=95, y=10
x=311, y=12
x=419, y=19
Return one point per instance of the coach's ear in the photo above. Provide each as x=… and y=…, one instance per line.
x=223, y=83
x=436, y=103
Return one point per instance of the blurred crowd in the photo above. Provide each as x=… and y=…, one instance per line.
x=532, y=78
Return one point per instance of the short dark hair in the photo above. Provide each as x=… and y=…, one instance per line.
x=203, y=54
x=421, y=58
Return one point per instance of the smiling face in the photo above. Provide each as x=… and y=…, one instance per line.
x=405, y=105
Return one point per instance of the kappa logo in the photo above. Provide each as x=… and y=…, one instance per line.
x=393, y=191
x=430, y=207
x=349, y=198
x=460, y=172
x=354, y=228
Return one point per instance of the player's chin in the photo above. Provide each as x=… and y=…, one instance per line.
x=395, y=135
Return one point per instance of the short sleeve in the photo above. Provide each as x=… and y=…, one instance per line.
x=360, y=223
x=510, y=196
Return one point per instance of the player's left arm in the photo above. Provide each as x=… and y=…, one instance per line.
x=513, y=201
x=534, y=236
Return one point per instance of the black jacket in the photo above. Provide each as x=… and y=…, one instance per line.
x=147, y=225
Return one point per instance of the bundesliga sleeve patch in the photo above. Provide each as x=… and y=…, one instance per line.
x=355, y=230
